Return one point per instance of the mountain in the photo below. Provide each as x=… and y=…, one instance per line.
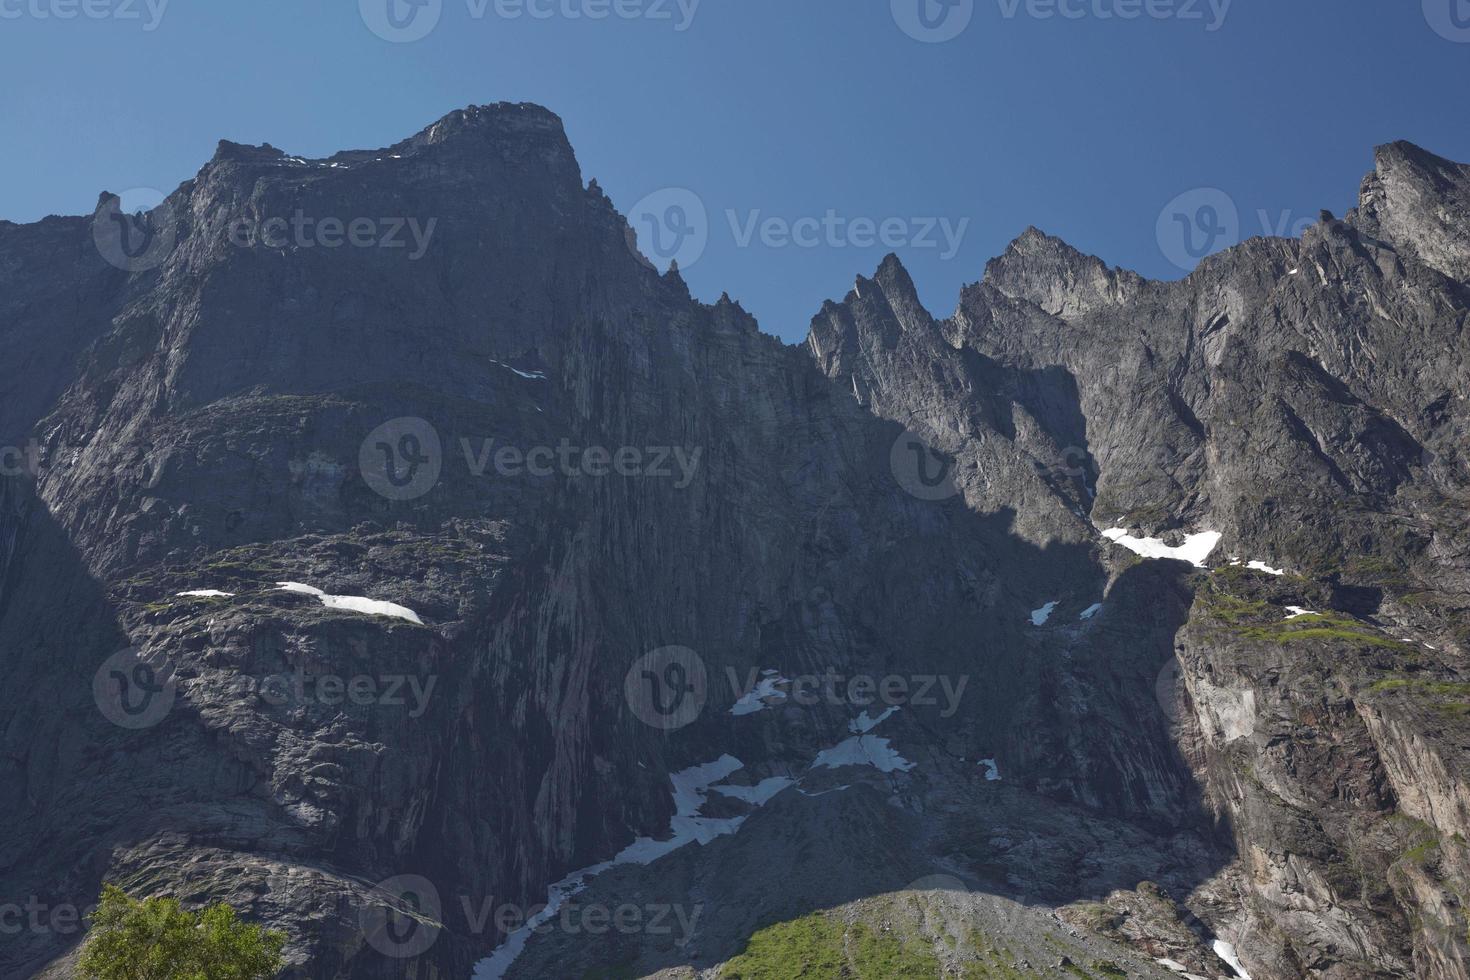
x=377, y=580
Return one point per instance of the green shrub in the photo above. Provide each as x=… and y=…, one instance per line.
x=157, y=939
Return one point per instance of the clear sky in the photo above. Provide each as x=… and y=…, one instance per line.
x=1087, y=124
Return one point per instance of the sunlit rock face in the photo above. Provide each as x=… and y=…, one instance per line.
x=388, y=519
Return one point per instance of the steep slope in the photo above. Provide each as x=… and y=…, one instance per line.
x=1114, y=762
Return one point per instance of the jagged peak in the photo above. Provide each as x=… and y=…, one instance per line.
x=496, y=118
x=1389, y=156
x=244, y=152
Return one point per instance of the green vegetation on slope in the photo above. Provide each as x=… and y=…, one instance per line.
x=158, y=939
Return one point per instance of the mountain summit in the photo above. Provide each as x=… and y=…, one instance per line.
x=387, y=549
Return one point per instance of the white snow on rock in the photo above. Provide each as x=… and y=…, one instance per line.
x=690, y=789
x=760, y=793
x=1195, y=549
x=863, y=750
x=992, y=771
x=353, y=603
x=766, y=694
x=690, y=786
x=206, y=594
x=1091, y=611
x=1227, y=953
x=1179, y=968
x=1299, y=611
x=863, y=724
x=1261, y=566
x=531, y=375
x=1040, y=616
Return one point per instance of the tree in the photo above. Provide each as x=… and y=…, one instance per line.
x=157, y=939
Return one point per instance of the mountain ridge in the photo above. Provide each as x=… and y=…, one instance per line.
x=1177, y=761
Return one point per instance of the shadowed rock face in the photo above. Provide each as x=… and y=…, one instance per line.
x=902, y=496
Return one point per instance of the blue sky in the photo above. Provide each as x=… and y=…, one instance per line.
x=825, y=118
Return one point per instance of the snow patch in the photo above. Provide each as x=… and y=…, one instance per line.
x=1227, y=953
x=756, y=699
x=862, y=724
x=530, y=375
x=1091, y=611
x=1261, y=566
x=353, y=603
x=1299, y=611
x=760, y=793
x=206, y=594
x=1179, y=968
x=863, y=750
x=992, y=770
x=690, y=788
x=1040, y=616
x=1195, y=549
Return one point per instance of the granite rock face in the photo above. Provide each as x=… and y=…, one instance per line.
x=529, y=460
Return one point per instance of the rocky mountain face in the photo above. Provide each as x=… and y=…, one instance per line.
x=581, y=570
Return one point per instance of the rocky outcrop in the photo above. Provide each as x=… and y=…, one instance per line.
x=448, y=688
